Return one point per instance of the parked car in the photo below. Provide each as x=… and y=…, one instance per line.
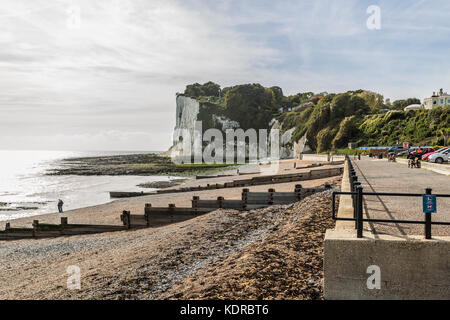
x=427, y=155
x=398, y=152
x=423, y=150
x=440, y=157
x=403, y=153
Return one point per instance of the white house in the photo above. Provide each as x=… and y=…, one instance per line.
x=437, y=99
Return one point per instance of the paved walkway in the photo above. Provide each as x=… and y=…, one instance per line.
x=383, y=176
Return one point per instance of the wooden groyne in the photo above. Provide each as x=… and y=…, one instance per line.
x=160, y=216
x=125, y=194
x=255, y=181
x=46, y=230
x=263, y=180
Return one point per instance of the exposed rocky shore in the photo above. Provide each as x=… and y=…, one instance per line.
x=162, y=184
x=136, y=164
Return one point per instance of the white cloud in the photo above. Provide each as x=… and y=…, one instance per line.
x=119, y=71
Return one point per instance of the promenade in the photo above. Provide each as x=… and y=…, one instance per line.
x=383, y=176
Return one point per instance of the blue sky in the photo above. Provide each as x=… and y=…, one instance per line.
x=102, y=74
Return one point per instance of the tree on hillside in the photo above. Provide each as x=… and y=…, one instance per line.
x=193, y=90
x=445, y=132
x=299, y=98
x=374, y=101
x=208, y=89
x=252, y=105
x=348, y=130
x=402, y=104
x=277, y=93
x=345, y=105
x=211, y=89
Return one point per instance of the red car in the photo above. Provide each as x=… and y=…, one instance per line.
x=423, y=151
x=426, y=155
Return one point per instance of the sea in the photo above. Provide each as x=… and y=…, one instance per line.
x=26, y=190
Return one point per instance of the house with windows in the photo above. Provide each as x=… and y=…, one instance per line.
x=437, y=99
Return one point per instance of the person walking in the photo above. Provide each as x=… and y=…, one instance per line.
x=60, y=206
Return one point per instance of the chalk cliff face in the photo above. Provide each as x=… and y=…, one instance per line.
x=189, y=111
x=288, y=147
x=286, y=144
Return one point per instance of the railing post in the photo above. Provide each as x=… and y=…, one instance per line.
x=355, y=200
x=359, y=216
x=333, y=198
x=428, y=218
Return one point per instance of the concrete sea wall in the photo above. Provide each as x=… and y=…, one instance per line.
x=382, y=266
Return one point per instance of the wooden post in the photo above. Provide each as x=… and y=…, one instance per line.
x=126, y=219
x=271, y=191
x=35, y=227
x=220, y=202
x=63, y=224
x=171, y=212
x=195, y=201
x=298, y=191
x=244, y=198
x=147, y=213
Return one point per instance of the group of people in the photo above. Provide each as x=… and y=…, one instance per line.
x=414, y=158
x=391, y=157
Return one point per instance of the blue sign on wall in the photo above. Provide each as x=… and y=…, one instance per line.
x=429, y=203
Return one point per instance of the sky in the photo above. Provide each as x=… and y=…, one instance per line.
x=103, y=74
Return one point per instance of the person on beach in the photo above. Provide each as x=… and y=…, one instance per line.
x=60, y=206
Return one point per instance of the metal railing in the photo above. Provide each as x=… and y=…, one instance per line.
x=358, y=199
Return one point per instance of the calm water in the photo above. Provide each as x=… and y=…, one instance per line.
x=24, y=185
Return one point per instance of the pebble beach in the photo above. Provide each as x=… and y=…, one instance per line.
x=223, y=254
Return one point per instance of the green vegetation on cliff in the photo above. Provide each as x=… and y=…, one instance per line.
x=422, y=127
x=251, y=105
x=347, y=117
x=329, y=121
